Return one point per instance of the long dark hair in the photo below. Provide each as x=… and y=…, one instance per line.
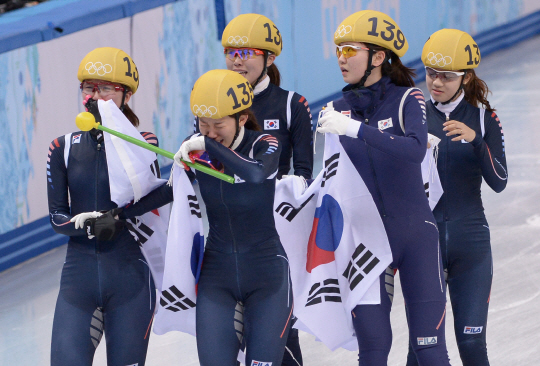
x=476, y=91
x=392, y=67
x=251, y=123
x=274, y=75
x=130, y=115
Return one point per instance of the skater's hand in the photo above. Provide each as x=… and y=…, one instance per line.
x=91, y=106
x=299, y=182
x=107, y=226
x=460, y=130
x=193, y=144
x=81, y=218
x=337, y=123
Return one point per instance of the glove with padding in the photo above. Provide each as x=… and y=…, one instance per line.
x=91, y=106
x=107, y=226
x=81, y=218
x=338, y=123
x=193, y=144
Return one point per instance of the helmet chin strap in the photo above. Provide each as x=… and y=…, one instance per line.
x=263, y=73
x=456, y=93
x=237, y=119
x=123, y=99
x=369, y=68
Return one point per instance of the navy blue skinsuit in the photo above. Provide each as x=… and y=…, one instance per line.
x=286, y=115
x=244, y=261
x=389, y=162
x=106, y=286
x=463, y=229
x=295, y=134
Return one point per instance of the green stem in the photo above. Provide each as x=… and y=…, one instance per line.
x=167, y=154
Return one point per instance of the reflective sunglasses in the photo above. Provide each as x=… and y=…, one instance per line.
x=242, y=53
x=104, y=89
x=349, y=51
x=443, y=76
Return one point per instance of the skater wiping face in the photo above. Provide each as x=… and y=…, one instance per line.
x=104, y=90
x=248, y=62
x=222, y=129
x=353, y=62
x=442, y=85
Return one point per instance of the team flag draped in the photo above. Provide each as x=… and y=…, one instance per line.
x=132, y=166
x=332, y=233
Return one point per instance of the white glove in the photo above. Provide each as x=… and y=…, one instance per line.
x=193, y=144
x=335, y=122
x=82, y=217
x=300, y=182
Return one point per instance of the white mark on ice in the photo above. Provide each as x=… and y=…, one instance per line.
x=534, y=220
x=515, y=304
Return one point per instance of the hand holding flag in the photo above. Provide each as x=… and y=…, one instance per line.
x=86, y=121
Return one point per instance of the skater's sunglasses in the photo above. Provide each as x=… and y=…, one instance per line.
x=443, y=76
x=242, y=53
x=104, y=89
x=349, y=51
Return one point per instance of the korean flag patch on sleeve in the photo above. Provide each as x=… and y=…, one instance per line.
x=271, y=124
x=385, y=123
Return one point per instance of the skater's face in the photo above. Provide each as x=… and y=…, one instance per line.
x=442, y=85
x=353, y=62
x=248, y=64
x=104, y=90
x=221, y=130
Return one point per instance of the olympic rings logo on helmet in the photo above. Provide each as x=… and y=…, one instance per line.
x=98, y=68
x=238, y=40
x=204, y=111
x=438, y=59
x=342, y=31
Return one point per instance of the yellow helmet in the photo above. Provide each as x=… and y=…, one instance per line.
x=220, y=93
x=109, y=64
x=451, y=49
x=372, y=26
x=253, y=31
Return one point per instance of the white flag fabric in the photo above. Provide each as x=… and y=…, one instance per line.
x=185, y=248
x=131, y=166
x=347, y=247
x=430, y=174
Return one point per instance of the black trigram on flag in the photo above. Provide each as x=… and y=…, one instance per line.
x=288, y=211
x=354, y=273
x=194, y=205
x=154, y=167
x=327, y=290
x=330, y=168
x=174, y=300
x=139, y=230
x=426, y=187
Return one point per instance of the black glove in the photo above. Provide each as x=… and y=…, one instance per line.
x=91, y=106
x=105, y=227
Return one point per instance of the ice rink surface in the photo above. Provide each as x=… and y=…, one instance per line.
x=28, y=292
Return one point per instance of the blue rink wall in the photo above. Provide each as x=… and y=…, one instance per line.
x=173, y=43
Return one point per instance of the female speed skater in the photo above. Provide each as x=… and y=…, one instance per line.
x=471, y=150
x=244, y=261
x=252, y=42
x=388, y=155
x=106, y=285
